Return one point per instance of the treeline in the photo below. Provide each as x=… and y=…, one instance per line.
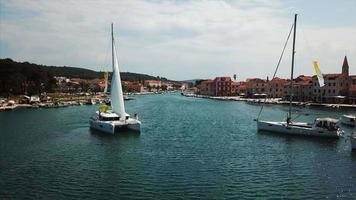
x=24, y=78
x=29, y=78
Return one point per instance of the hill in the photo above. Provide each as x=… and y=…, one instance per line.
x=20, y=77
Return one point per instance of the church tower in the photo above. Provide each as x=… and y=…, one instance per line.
x=345, y=67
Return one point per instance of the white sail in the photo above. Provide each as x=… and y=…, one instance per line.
x=117, y=99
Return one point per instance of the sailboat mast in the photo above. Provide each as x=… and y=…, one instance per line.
x=292, y=71
x=112, y=45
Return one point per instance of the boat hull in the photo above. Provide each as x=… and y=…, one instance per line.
x=348, y=121
x=112, y=127
x=302, y=129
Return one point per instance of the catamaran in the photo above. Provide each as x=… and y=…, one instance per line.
x=111, y=121
x=321, y=127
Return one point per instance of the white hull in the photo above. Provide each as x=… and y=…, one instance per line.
x=302, y=129
x=113, y=127
x=348, y=120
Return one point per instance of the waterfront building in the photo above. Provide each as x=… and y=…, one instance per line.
x=220, y=86
x=167, y=86
x=206, y=87
x=302, y=88
x=277, y=88
x=256, y=87
x=238, y=88
x=352, y=90
x=336, y=88
x=152, y=83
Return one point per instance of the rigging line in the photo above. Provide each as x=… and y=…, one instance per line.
x=275, y=71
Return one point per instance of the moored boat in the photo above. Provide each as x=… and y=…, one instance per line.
x=349, y=120
x=321, y=127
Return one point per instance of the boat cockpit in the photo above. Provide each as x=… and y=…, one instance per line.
x=327, y=123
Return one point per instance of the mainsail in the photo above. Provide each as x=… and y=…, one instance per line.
x=117, y=99
x=318, y=74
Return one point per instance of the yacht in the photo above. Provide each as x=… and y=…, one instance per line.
x=349, y=120
x=321, y=127
x=115, y=119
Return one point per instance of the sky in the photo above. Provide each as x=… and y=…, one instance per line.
x=183, y=39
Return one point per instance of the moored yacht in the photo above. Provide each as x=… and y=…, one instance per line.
x=111, y=121
x=322, y=127
x=348, y=120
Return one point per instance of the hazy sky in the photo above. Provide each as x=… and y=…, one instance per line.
x=181, y=39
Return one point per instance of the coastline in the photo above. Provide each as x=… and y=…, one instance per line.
x=64, y=100
x=275, y=101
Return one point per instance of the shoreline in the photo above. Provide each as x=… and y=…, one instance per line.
x=275, y=101
x=65, y=100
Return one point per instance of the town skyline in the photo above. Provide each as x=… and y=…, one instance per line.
x=160, y=37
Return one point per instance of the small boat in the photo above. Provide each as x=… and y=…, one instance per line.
x=111, y=121
x=353, y=141
x=128, y=98
x=321, y=127
x=349, y=120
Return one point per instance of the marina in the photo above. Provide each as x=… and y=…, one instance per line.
x=177, y=100
x=184, y=149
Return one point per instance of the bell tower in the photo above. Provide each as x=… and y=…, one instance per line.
x=345, y=67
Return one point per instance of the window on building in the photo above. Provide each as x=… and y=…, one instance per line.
x=329, y=84
x=334, y=84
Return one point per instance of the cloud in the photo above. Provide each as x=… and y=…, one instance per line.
x=176, y=39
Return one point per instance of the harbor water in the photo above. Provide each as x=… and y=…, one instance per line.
x=189, y=148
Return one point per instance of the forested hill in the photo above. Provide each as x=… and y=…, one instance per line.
x=9, y=66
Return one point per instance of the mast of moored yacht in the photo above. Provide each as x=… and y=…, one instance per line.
x=291, y=75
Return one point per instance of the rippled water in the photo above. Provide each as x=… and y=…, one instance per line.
x=188, y=148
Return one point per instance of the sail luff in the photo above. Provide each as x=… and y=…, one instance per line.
x=117, y=98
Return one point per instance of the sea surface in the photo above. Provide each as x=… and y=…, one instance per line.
x=189, y=148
